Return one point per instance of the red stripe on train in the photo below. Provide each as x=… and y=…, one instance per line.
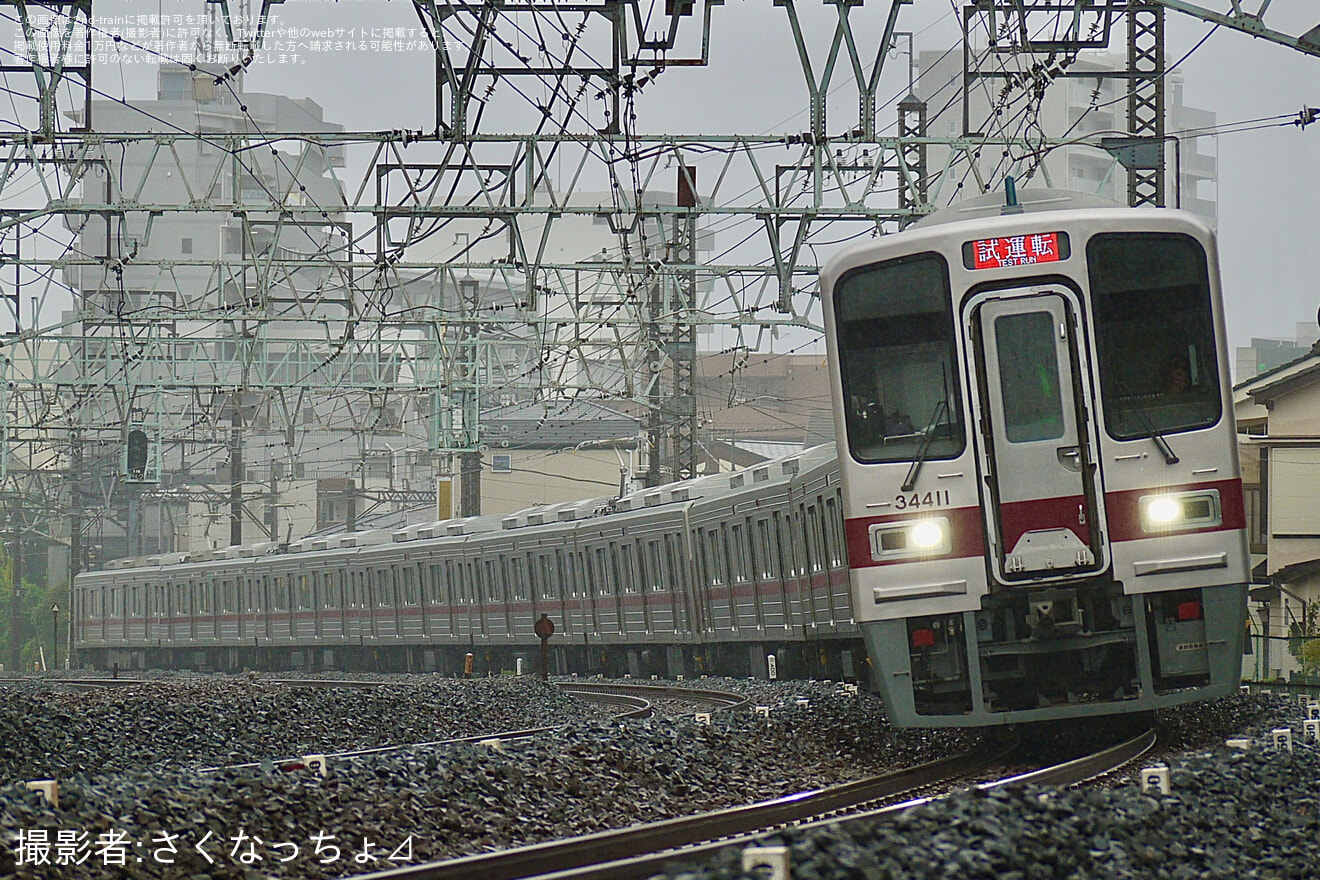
x=967, y=534
x=1123, y=509
x=1016, y=518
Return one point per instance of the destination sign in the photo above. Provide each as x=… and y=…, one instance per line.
x=1016, y=250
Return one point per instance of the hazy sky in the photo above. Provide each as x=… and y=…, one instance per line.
x=1269, y=196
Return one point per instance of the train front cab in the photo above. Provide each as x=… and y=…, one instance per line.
x=1044, y=511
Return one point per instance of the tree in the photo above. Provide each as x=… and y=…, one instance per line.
x=35, y=620
x=1310, y=657
x=1302, y=641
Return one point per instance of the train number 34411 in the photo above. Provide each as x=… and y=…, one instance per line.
x=917, y=500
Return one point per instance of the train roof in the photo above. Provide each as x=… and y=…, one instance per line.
x=703, y=487
x=1029, y=200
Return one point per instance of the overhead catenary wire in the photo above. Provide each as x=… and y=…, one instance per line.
x=375, y=293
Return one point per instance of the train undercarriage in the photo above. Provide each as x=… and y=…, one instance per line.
x=1087, y=649
x=839, y=659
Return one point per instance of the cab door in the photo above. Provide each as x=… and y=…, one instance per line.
x=1043, y=512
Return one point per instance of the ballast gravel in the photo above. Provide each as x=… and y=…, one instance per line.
x=415, y=804
x=205, y=721
x=161, y=819
x=1230, y=813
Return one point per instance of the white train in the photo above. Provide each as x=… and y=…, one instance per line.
x=1035, y=511
x=733, y=573
x=1043, y=507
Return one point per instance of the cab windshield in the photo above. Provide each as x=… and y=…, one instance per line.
x=1159, y=370
x=896, y=350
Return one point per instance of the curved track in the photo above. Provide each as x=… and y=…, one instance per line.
x=716, y=701
x=630, y=701
x=642, y=851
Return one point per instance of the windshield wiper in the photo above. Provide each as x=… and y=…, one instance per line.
x=941, y=412
x=1163, y=446
x=1156, y=437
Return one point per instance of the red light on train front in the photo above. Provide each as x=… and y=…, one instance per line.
x=1189, y=611
x=923, y=638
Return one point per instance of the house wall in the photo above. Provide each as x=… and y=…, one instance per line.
x=1294, y=505
x=548, y=476
x=1296, y=413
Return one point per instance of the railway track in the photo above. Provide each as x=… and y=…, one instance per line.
x=108, y=683
x=631, y=701
x=604, y=692
x=625, y=700
x=642, y=851
x=715, y=701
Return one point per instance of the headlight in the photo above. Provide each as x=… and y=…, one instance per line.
x=928, y=535
x=912, y=538
x=1175, y=511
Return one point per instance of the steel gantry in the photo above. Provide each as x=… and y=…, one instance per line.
x=398, y=297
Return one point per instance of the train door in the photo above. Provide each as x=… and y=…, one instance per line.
x=435, y=603
x=452, y=594
x=302, y=613
x=840, y=590
x=506, y=591
x=409, y=608
x=803, y=562
x=648, y=580
x=618, y=578
x=425, y=596
x=675, y=580
x=781, y=564
x=217, y=592
x=565, y=588
x=397, y=596
x=729, y=550
x=569, y=589
x=551, y=599
x=194, y=606
x=148, y=610
x=375, y=589
x=271, y=600
x=815, y=562
x=702, y=577
x=336, y=580
x=449, y=596
x=275, y=612
x=268, y=600
x=481, y=596
x=318, y=602
x=176, y=594
x=164, y=612
x=1036, y=450
x=461, y=586
x=634, y=592
x=591, y=575
x=242, y=605
x=354, y=591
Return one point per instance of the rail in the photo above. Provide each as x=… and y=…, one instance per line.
x=630, y=706
x=643, y=851
x=720, y=700
x=601, y=854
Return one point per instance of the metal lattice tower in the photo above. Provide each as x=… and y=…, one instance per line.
x=913, y=191
x=1145, y=104
x=332, y=312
